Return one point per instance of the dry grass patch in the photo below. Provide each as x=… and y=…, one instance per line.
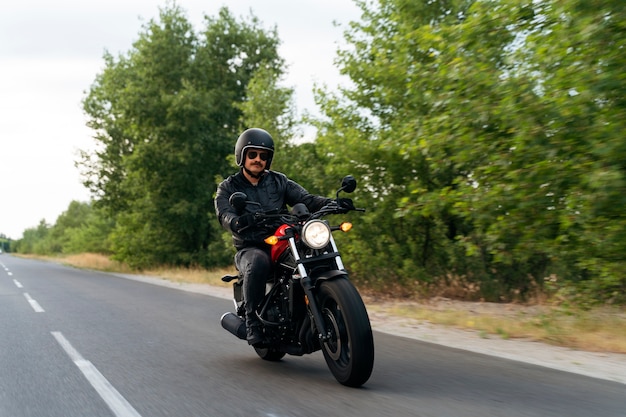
x=174, y=274
x=602, y=329
x=100, y=262
x=192, y=275
x=95, y=261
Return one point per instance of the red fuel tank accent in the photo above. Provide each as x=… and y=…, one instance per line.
x=282, y=245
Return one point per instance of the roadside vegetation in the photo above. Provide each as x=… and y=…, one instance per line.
x=487, y=138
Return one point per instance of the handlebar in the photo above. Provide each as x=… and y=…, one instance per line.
x=333, y=207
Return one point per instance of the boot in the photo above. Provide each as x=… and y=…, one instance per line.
x=254, y=334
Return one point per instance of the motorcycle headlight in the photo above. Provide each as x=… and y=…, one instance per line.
x=316, y=234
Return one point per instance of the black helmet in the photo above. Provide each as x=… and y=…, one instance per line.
x=254, y=138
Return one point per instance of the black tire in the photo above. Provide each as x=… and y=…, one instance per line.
x=269, y=354
x=349, y=353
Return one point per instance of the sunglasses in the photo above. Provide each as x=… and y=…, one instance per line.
x=253, y=154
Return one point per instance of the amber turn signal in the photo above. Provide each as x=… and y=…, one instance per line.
x=345, y=226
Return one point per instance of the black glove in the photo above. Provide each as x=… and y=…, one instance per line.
x=346, y=203
x=242, y=221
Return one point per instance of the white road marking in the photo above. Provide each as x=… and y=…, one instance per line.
x=18, y=284
x=34, y=304
x=115, y=401
x=10, y=274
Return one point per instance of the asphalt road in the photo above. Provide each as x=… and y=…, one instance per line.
x=80, y=343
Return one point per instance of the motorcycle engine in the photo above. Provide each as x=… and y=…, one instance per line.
x=273, y=314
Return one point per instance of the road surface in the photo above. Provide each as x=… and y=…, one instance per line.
x=82, y=343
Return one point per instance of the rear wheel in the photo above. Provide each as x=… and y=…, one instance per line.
x=349, y=352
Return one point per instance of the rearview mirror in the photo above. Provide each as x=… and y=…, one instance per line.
x=238, y=200
x=348, y=184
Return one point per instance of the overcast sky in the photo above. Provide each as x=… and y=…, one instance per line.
x=51, y=52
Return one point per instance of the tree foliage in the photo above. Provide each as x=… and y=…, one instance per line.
x=80, y=228
x=166, y=115
x=5, y=243
x=486, y=133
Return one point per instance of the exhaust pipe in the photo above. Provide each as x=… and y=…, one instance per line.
x=234, y=324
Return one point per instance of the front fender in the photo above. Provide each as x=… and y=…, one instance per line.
x=322, y=276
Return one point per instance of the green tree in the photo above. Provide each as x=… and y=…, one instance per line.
x=34, y=239
x=567, y=172
x=84, y=228
x=486, y=136
x=5, y=243
x=166, y=115
x=393, y=131
x=70, y=220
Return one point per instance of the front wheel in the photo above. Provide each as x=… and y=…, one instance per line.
x=349, y=351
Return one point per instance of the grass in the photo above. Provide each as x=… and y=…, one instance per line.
x=180, y=275
x=602, y=329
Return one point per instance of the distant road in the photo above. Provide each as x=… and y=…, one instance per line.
x=79, y=343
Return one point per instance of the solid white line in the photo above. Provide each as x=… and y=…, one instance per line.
x=18, y=284
x=34, y=304
x=115, y=401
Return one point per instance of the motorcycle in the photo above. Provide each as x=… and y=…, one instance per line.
x=310, y=303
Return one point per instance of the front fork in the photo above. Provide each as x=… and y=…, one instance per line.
x=307, y=285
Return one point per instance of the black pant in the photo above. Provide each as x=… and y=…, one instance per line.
x=255, y=265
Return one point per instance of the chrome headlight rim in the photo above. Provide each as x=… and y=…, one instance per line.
x=316, y=234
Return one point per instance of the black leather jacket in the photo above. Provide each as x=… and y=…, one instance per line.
x=274, y=191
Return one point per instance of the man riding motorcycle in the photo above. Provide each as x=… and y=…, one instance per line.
x=270, y=190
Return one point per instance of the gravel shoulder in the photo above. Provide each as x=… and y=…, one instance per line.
x=607, y=366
